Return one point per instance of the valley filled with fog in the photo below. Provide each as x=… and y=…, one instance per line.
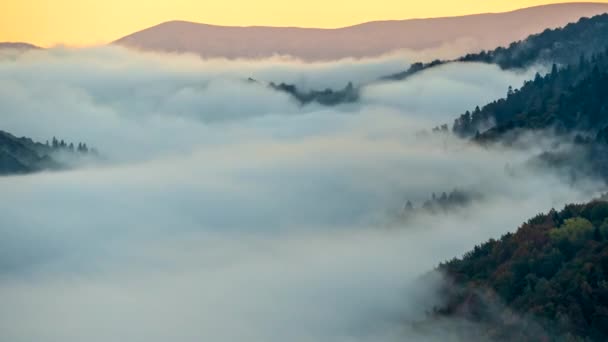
x=224, y=210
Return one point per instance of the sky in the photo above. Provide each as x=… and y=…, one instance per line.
x=90, y=22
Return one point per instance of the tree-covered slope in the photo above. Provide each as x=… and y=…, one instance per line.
x=23, y=155
x=548, y=281
x=327, y=97
x=561, y=46
x=574, y=97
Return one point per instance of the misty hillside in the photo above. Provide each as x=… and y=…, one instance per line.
x=461, y=34
x=561, y=46
x=548, y=281
x=570, y=102
x=570, y=98
x=23, y=155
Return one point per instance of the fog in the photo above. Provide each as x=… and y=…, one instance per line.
x=224, y=210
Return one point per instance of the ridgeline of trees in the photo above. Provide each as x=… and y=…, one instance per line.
x=561, y=46
x=574, y=97
x=413, y=69
x=546, y=282
x=62, y=146
x=442, y=203
x=571, y=101
x=23, y=155
x=327, y=97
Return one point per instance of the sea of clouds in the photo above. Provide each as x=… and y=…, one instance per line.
x=224, y=210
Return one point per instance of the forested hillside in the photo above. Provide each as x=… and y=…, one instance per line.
x=23, y=155
x=561, y=46
x=546, y=282
x=573, y=97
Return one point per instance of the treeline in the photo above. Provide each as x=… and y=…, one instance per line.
x=573, y=97
x=327, y=97
x=414, y=69
x=441, y=203
x=61, y=145
x=561, y=46
x=24, y=155
x=548, y=281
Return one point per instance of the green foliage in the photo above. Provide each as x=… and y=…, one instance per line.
x=553, y=271
x=573, y=229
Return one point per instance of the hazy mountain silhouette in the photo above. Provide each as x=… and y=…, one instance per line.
x=458, y=34
x=17, y=46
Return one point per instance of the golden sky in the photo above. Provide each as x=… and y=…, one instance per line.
x=88, y=22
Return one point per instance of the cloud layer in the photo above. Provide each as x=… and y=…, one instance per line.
x=226, y=211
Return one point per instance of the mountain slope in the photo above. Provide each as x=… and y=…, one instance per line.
x=561, y=45
x=473, y=32
x=23, y=155
x=546, y=282
x=571, y=98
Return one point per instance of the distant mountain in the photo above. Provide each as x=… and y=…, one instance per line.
x=18, y=46
x=546, y=282
x=472, y=33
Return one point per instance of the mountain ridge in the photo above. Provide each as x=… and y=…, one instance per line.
x=566, y=4
x=18, y=46
x=362, y=40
